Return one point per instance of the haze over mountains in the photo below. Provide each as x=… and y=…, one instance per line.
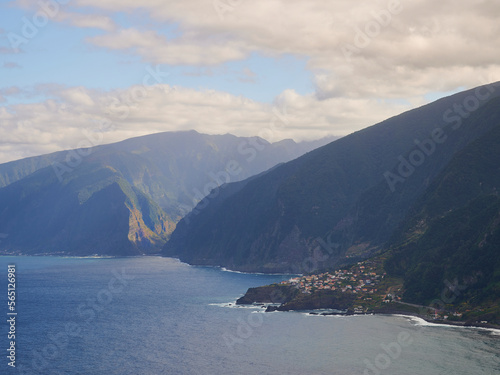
x=124, y=198
x=445, y=253
x=343, y=201
x=451, y=238
x=419, y=189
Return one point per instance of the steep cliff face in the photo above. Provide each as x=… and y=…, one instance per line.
x=452, y=234
x=123, y=198
x=339, y=203
x=81, y=215
x=149, y=225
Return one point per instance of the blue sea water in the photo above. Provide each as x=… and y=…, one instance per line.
x=152, y=315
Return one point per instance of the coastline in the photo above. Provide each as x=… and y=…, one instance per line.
x=429, y=321
x=444, y=323
x=224, y=269
x=312, y=311
x=324, y=303
x=420, y=318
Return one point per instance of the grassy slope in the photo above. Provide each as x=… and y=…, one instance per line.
x=453, y=232
x=93, y=211
x=156, y=178
x=337, y=191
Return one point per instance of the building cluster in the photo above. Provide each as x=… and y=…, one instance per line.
x=361, y=278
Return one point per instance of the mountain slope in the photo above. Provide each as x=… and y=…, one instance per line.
x=175, y=168
x=94, y=212
x=452, y=235
x=123, y=198
x=334, y=203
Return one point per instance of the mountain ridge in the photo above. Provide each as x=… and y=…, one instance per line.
x=441, y=264
x=160, y=177
x=322, y=198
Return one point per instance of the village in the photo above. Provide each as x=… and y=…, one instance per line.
x=363, y=279
x=367, y=280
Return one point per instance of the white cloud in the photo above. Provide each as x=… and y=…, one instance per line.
x=408, y=39
x=59, y=123
x=365, y=56
x=248, y=76
x=7, y=50
x=86, y=20
x=11, y=65
x=78, y=97
x=158, y=49
x=12, y=90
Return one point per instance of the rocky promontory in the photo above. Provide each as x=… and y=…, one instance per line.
x=291, y=298
x=275, y=294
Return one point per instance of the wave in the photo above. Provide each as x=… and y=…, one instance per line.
x=233, y=305
x=424, y=323
x=82, y=256
x=256, y=273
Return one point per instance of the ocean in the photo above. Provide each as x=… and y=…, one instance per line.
x=153, y=315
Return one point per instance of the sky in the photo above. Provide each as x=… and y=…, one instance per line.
x=74, y=72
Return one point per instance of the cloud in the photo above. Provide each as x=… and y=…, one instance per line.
x=7, y=50
x=78, y=97
x=376, y=48
x=158, y=49
x=248, y=76
x=60, y=123
x=11, y=65
x=402, y=41
x=86, y=20
x=10, y=91
x=366, y=59
x=199, y=72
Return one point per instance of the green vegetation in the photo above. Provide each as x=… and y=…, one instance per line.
x=337, y=194
x=432, y=236
x=90, y=212
x=124, y=198
x=453, y=235
x=436, y=234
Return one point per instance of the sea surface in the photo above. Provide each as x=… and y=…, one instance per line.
x=152, y=315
